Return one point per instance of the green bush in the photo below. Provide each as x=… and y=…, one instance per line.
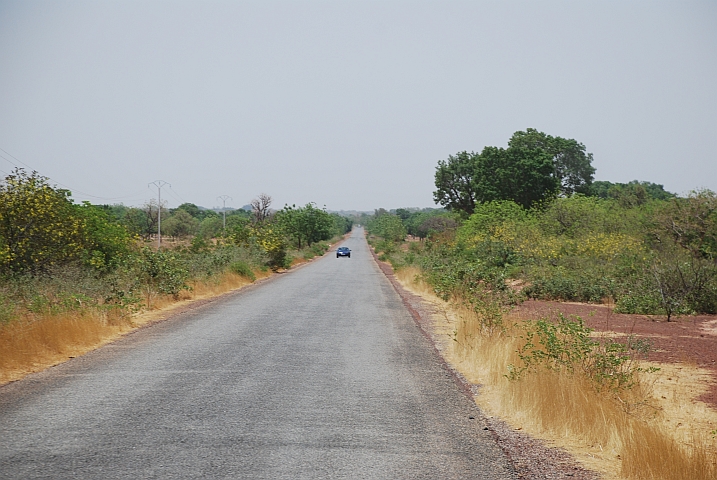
x=589, y=285
x=315, y=250
x=242, y=269
x=567, y=345
x=161, y=272
x=7, y=309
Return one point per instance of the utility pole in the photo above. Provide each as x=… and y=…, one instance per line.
x=159, y=184
x=224, y=199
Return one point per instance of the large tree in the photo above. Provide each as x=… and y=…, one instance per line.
x=305, y=225
x=572, y=166
x=455, y=182
x=533, y=168
x=521, y=174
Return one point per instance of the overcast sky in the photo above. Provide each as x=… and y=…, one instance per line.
x=349, y=104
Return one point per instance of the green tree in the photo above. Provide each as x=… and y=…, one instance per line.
x=106, y=242
x=692, y=223
x=342, y=224
x=435, y=224
x=520, y=174
x=455, y=181
x=197, y=212
x=630, y=194
x=191, y=209
x=534, y=168
x=210, y=227
x=135, y=221
x=180, y=224
x=305, y=225
x=388, y=226
x=572, y=166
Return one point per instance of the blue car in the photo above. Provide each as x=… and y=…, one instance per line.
x=343, y=252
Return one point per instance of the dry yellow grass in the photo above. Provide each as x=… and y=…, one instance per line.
x=36, y=342
x=666, y=435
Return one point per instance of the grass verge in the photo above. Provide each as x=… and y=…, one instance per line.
x=629, y=433
x=35, y=342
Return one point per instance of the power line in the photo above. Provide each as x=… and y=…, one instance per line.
x=61, y=184
x=176, y=195
x=12, y=156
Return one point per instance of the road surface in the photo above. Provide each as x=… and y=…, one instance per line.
x=318, y=373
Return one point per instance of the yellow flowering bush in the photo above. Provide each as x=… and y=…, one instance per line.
x=272, y=240
x=38, y=225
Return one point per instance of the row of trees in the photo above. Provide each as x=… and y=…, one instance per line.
x=291, y=227
x=394, y=226
x=535, y=168
x=41, y=227
x=658, y=257
x=184, y=221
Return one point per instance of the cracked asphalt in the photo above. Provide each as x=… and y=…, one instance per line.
x=317, y=373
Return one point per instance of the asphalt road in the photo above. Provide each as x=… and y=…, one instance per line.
x=318, y=373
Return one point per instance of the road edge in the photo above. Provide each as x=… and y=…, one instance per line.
x=530, y=457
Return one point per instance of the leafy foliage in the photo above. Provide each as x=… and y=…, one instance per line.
x=657, y=257
x=180, y=224
x=534, y=168
x=40, y=228
x=161, y=272
x=106, y=243
x=243, y=269
x=572, y=166
x=629, y=194
x=305, y=225
x=388, y=226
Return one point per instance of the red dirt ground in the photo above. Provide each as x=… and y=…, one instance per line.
x=691, y=339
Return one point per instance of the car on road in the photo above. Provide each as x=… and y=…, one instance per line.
x=343, y=252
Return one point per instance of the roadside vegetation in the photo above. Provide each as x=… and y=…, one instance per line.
x=528, y=222
x=73, y=275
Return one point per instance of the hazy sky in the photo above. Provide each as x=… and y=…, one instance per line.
x=349, y=104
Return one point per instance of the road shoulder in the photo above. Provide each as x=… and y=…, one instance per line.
x=532, y=458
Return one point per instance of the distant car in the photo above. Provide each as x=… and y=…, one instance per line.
x=343, y=252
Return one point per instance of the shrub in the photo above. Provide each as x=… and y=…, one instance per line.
x=242, y=269
x=161, y=272
x=566, y=345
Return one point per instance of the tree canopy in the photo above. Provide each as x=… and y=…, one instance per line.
x=534, y=168
x=572, y=166
x=305, y=225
